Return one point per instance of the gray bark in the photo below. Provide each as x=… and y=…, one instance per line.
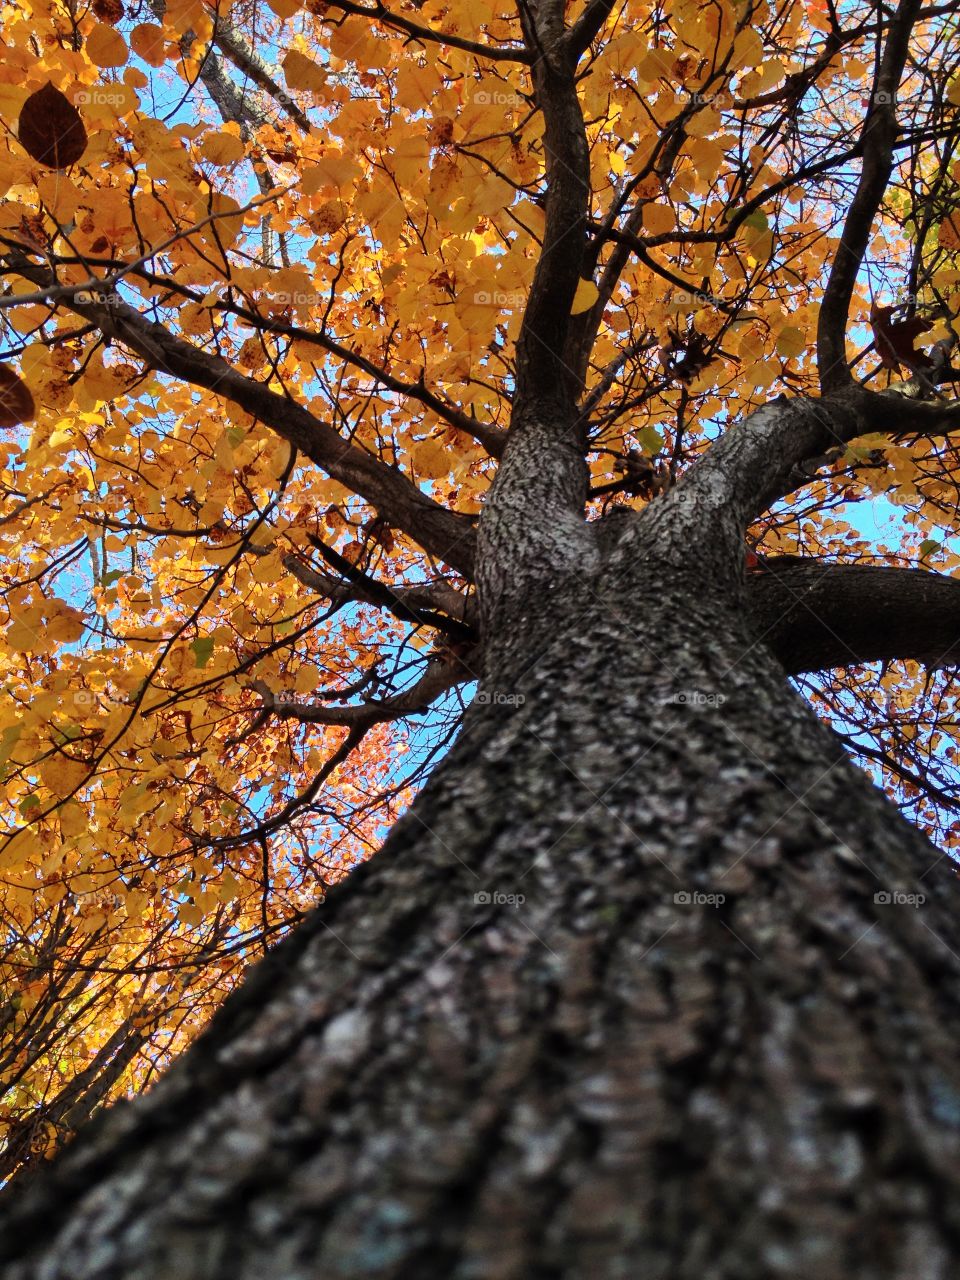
x=816, y=615
x=607, y=1078
x=650, y=981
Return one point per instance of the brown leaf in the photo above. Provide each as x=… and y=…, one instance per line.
x=33, y=231
x=108, y=10
x=895, y=339
x=685, y=357
x=50, y=129
x=16, y=402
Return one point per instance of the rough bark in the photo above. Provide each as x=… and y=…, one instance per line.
x=815, y=615
x=650, y=981
x=607, y=1078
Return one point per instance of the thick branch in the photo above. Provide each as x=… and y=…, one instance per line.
x=817, y=616
x=534, y=512
x=779, y=448
x=235, y=47
x=543, y=377
x=588, y=26
x=776, y=451
x=876, y=141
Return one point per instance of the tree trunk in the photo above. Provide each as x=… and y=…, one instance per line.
x=649, y=982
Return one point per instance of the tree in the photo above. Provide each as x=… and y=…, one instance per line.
x=650, y=978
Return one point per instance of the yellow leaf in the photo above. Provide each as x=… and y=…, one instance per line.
x=266, y=569
x=308, y=677
x=229, y=888
x=703, y=124
x=8, y=740
x=949, y=234
x=135, y=903
x=148, y=42
x=222, y=148
x=24, y=638
x=659, y=219
x=190, y=913
x=62, y=775
x=791, y=341
x=301, y=72
x=332, y=170
x=106, y=46
x=762, y=374
x=747, y=50
x=73, y=820
x=351, y=41
x=432, y=459
x=66, y=625
x=586, y=295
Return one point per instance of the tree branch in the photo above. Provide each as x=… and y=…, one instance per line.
x=876, y=143
x=436, y=596
x=543, y=376
x=233, y=45
x=385, y=597
x=588, y=26
x=535, y=508
x=380, y=13
x=440, y=675
x=816, y=616
x=760, y=460
x=492, y=438
x=445, y=534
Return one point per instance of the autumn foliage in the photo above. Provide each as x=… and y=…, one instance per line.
x=264, y=271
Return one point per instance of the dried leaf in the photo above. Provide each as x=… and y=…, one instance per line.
x=50, y=129
x=108, y=10
x=16, y=402
x=895, y=339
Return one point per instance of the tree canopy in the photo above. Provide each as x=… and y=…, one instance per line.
x=274, y=280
